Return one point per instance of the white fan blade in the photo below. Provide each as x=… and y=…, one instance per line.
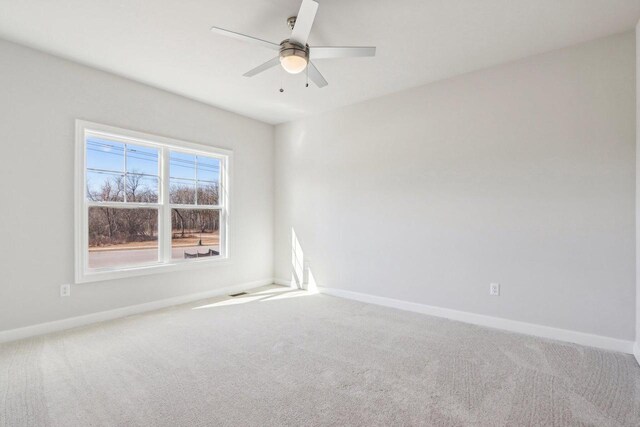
x=304, y=21
x=260, y=68
x=315, y=76
x=245, y=38
x=322, y=52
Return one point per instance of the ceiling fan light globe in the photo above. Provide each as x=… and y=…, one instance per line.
x=293, y=64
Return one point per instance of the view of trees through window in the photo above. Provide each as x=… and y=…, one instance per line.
x=194, y=233
x=123, y=184
x=122, y=236
x=194, y=183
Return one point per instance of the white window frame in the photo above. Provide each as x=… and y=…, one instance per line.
x=83, y=274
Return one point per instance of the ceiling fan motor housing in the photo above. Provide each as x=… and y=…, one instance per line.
x=294, y=54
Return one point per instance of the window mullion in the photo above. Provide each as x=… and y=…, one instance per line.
x=120, y=205
x=165, y=215
x=223, y=202
x=197, y=207
x=124, y=175
x=196, y=165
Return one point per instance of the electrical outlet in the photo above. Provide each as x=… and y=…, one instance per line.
x=65, y=290
x=494, y=289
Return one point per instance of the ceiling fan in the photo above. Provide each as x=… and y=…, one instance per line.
x=295, y=54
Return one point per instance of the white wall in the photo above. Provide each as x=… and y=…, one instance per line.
x=522, y=174
x=40, y=97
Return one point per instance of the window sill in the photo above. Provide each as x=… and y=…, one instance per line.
x=123, y=273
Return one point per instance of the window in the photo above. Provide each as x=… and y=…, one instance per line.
x=146, y=203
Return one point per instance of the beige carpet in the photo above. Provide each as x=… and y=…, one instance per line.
x=290, y=358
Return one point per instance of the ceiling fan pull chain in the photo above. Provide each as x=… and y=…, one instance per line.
x=281, y=80
x=307, y=84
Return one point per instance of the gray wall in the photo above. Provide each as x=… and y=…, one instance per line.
x=522, y=174
x=41, y=96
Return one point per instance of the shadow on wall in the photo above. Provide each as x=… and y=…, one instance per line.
x=301, y=274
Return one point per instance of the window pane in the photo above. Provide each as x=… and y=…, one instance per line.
x=207, y=193
x=105, y=186
x=142, y=189
x=182, y=165
x=142, y=160
x=106, y=155
x=208, y=169
x=182, y=192
x=195, y=233
x=122, y=237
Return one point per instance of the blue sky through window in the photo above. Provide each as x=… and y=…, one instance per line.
x=106, y=164
x=191, y=167
x=105, y=155
x=142, y=160
x=106, y=168
x=182, y=166
x=108, y=155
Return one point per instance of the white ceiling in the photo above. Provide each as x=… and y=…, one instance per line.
x=167, y=43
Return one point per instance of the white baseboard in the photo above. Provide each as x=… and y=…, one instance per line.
x=636, y=351
x=73, y=322
x=599, y=341
x=576, y=337
x=283, y=282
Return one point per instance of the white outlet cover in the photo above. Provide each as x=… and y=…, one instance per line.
x=494, y=289
x=65, y=290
